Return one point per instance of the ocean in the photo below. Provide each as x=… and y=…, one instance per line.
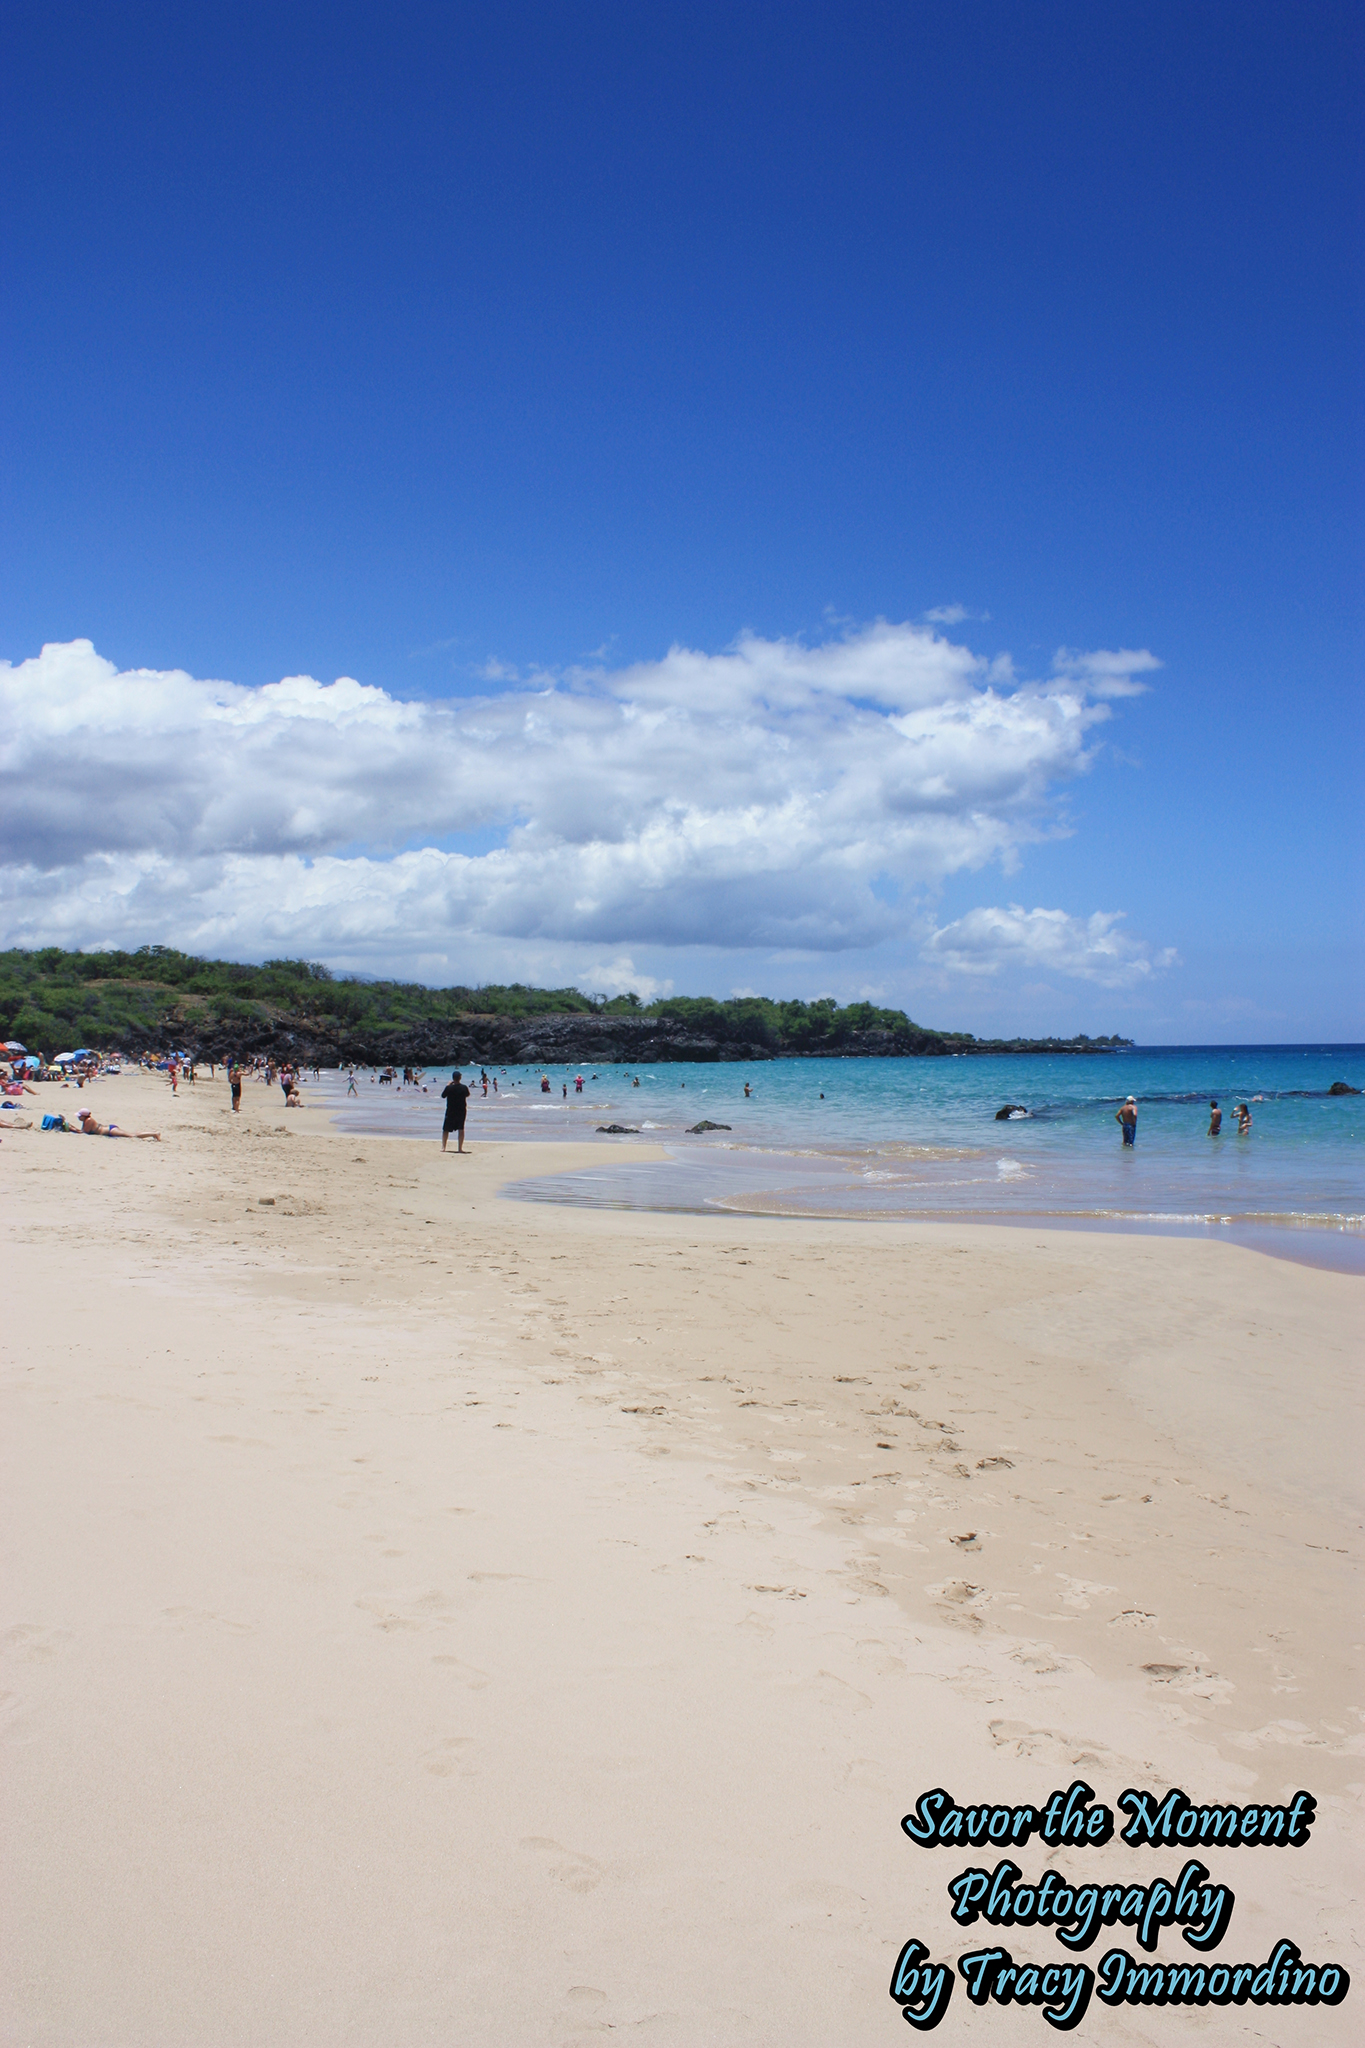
x=919, y=1137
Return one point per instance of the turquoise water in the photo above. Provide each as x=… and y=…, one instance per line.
x=919, y=1136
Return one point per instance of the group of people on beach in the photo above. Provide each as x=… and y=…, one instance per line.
x=288, y=1080
x=1126, y=1119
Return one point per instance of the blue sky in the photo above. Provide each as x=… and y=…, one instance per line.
x=475, y=354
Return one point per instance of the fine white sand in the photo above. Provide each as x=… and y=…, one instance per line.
x=437, y=1619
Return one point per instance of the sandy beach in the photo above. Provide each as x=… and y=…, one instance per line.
x=436, y=1619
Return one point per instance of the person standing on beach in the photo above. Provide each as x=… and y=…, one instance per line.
x=235, y=1084
x=456, y=1097
x=1126, y=1119
x=1215, y=1121
x=352, y=1089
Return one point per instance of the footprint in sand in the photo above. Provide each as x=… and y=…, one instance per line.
x=837, y=1692
x=468, y=1674
x=443, y=1759
x=961, y=1601
x=813, y=1902
x=1049, y=1745
x=30, y=1639
x=874, y=1653
x=1194, y=1680
x=732, y=1519
x=407, y=1610
x=956, y=1592
x=181, y=1617
x=1078, y=1592
x=1038, y=1657
x=580, y=1873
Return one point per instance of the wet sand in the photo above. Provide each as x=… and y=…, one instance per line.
x=431, y=1617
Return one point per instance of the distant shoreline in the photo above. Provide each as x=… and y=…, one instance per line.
x=158, y=1000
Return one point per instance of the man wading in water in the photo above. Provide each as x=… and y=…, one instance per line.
x=456, y=1101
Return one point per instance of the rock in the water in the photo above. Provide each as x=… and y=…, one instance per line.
x=1010, y=1109
x=706, y=1125
x=620, y=1130
x=1342, y=1088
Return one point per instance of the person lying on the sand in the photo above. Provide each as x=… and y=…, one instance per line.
x=93, y=1129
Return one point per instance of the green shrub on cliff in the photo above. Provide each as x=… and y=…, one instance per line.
x=53, y=1001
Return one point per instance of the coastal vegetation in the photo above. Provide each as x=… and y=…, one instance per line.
x=157, y=998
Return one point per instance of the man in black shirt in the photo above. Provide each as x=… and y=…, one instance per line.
x=456, y=1097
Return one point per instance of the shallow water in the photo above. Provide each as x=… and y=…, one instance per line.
x=919, y=1137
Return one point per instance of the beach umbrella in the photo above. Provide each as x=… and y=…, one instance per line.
x=13, y=1045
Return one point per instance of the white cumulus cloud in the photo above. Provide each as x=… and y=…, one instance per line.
x=773, y=795
x=1085, y=948
x=1106, y=671
x=952, y=615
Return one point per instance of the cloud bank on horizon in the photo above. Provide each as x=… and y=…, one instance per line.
x=776, y=797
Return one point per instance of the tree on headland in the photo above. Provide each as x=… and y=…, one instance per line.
x=52, y=1000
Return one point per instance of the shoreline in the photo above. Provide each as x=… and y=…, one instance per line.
x=1312, y=1242
x=565, y=1605
x=880, y=1156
